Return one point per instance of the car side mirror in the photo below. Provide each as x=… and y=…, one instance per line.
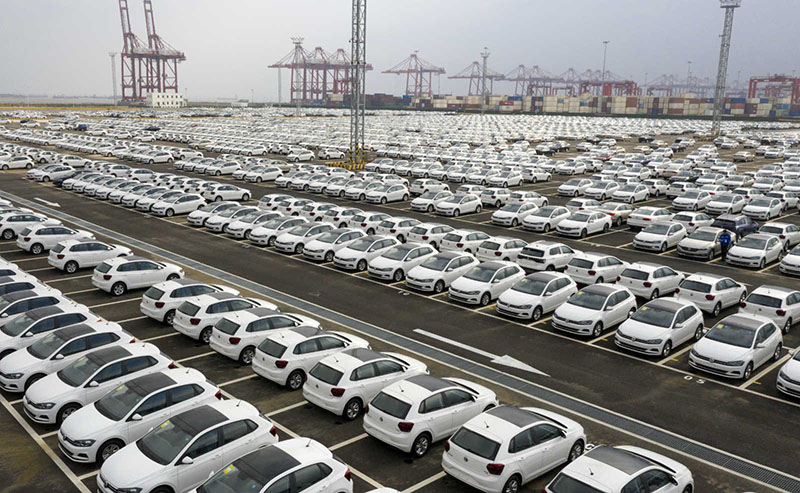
x=59, y=356
x=549, y=293
x=136, y=417
x=27, y=334
x=678, y=326
x=608, y=308
x=673, y=480
x=5, y=315
x=495, y=281
x=563, y=433
x=760, y=346
x=187, y=460
x=93, y=384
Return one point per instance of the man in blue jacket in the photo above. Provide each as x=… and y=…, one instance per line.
x=725, y=242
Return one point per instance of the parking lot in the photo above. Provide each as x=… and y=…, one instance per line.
x=620, y=397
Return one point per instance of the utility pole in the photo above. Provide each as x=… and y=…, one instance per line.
x=722, y=69
x=298, y=83
x=279, y=86
x=484, y=92
x=114, y=74
x=603, y=75
x=358, y=62
x=689, y=72
x=252, y=96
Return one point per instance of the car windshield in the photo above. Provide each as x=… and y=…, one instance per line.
x=764, y=300
x=568, y=484
x=588, y=299
x=229, y=212
x=544, y=212
x=428, y=195
x=573, y=182
x=761, y=203
x=118, y=403
x=724, y=224
x=635, y=274
x=690, y=195
x=579, y=218
x=511, y=207
x=46, y=346
x=683, y=218
x=771, y=229
x=657, y=229
x=272, y=348
x=164, y=442
x=78, y=372
x=752, y=243
x=226, y=326
x=475, y=443
x=628, y=188
x=581, y=263
x=480, y=273
x=17, y=325
x=651, y=315
x=437, y=263
x=300, y=230
x=238, y=476
x=188, y=308
x=250, y=217
x=703, y=235
x=530, y=286
x=274, y=223
x=390, y=405
x=398, y=252
x=732, y=334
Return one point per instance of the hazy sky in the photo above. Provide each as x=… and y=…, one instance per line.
x=61, y=46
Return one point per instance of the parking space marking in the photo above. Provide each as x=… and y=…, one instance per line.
x=18, y=401
x=196, y=356
x=287, y=408
x=88, y=475
x=132, y=319
x=674, y=356
x=237, y=380
x=46, y=435
x=37, y=270
x=29, y=260
x=162, y=336
x=783, y=359
x=348, y=442
x=603, y=337
x=70, y=293
x=67, y=278
x=366, y=478
x=115, y=302
x=436, y=477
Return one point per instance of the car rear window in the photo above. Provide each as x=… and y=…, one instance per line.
x=154, y=293
x=568, y=484
x=226, y=326
x=188, y=308
x=475, y=443
x=390, y=405
x=326, y=374
x=581, y=263
x=272, y=348
x=104, y=267
x=60, y=248
x=634, y=274
x=700, y=287
x=764, y=300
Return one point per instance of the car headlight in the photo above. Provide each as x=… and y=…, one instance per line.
x=472, y=293
x=694, y=353
x=14, y=376
x=43, y=405
x=731, y=363
x=585, y=322
x=783, y=375
x=83, y=443
x=652, y=341
x=425, y=280
x=129, y=490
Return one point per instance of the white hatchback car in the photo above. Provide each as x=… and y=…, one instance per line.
x=779, y=304
x=536, y=294
x=755, y=250
x=710, y=292
x=398, y=260
x=648, y=280
x=121, y=274
x=660, y=236
x=592, y=268
x=71, y=255
x=182, y=204
x=584, y=223
x=324, y=247
x=196, y=317
x=545, y=219
x=594, y=309
x=358, y=254
x=659, y=326
x=485, y=282
x=13, y=223
x=37, y=239
x=161, y=300
x=293, y=240
x=437, y=272
x=266, y=233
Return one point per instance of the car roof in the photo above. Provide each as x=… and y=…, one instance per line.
x=198, y=419
x=622, y=460
x=108, y=354
x=770, y=288
x=186, y=281
x=73, y=331
x=267, y=463
x=746, y=320
x=670, y=304
x=604, y=289
x=147, y=384
x=429, y=383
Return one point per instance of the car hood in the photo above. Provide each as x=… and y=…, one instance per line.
x=129, y=467
x=695, y=243
x=720, y=351
x=49, y=389
x=573, y=312
x=19, y=361
x=568, y=223
x=745, y=252
x=649, y=237
x=641, y=330
x=420, y=272
x=463, y=284
x=504, y=214
x=384, y=263
x=792, y=369
x=421, y=201
x=518, y=298
x=86, y=423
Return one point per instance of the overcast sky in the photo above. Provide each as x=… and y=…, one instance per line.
x=61, y=46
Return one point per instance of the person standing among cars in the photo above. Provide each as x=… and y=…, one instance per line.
x=724, y=242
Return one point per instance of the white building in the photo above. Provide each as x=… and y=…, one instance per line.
x=165, y=100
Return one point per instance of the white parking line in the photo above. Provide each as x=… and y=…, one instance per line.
x=79, y=291
x=30, y=259
x=348, y=442
x=196, y=356
x=46, y=435
x=163, y=336
x=675, y=355
x=67, y=278
x=88, y=475
x=603, y=337
x=237, y=380
x=18, y=401
x=130, y=319
x=422, y=484
x=39, y=270
x=287, y=408
x=11, y=251
x=114, y=302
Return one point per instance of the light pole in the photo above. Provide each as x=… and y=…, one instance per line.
x=603, y=75
x=114, y=74
x=485, y=55
x=688, y=72
x=722, y=68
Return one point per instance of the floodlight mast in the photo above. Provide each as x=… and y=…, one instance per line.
x=358, y=47
x=722, y=69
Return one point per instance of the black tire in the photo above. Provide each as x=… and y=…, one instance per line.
x=667, y=349
x=430, y=209
x=777, y=355
x=583, y=233
x=456, y=213
x=8, y=234
x=362, y=265
x=37, y=248
x=169, y=317
x=717, y=309
x=762, y=263
x=438, y=287
x=371, y=231
x=108, y=449
x=65, y=411
x=119, y=288
x=748, y=371
x=547, y=228
x=698, y=332
x=787, y=326
x=513, y=484
x=298, y=248
x=362, y=197
x=172, y=277
x=405, y=197
x=537, y=313
x=514, y=223
x=663, y=247
x=710, y=255
x=295, y=380
x=398, y=275
x=486, y=298
x=575, y=451
x=478, y=210
x=245, y=197
x=218, y=198
x=329, y=256
x=247, y=355
x=421, y=445
x=271, y=241
x=606, y=227
x=599, y=280
x=352, y=409
x=597, y=330
x=169, y=213
x=205, y=335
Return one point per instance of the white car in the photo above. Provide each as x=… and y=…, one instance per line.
x=37, y=239
x=594, y=268
x=631, y=193
x=437, y=272
x=431, y=233
x=293, y=240
x=495, y=196
x=779, y=304
x=242, y=226
x=790, y=264
x=788, y=380
x=644, y=216
x=424, y=185
x=33, y=324
x=226, y=192
x=659, y=326
x=788, y=233
x=463, y=240
x=656, y=188
x=397, y=226
x=648, y=280
x=387, y=193
x=343, y=383
x=622, y=469
x=491, y=451
x=259, y=174
x=186, y=450
x=415, y=412
x=145, y=204
x=13, y=223
x=286, y=357
x=358, y=254
x=458, y=205
x=52, y=398
x=659, y=236
x=523, y=196
x=369, y=221
x=395, y=262
x=693, y=220
x=574, y=187
x=289, y=462
x=545, y=218
x=595, y=308
x=266, y=233
x=545, y=255
x=56, y=350
x=584, y=223
x=500, y=248
x=710, y=292
x=326, y=245
x=95, y=432
x=601, y=190
x=536, y=294
x=315, y=211
x=182, y=204
x=300, y=155
x=485, y=282
x=161, y=300
x=692, y=200
x=513, y=214
x=120, y=274
x=755, y=250
x=218, y=223
x=237, y=334
x=203, y=214
x=197, y=316
x=428, y=201
x=727, y=203
x=763, y=208
x=736, y=346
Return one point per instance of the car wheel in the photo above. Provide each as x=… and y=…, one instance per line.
x=456, y=213
x=421, y=445
x=575, y=452
x=748, y=370
x=33, y=380
x=65, y=411
x=717, y=309
x=118, y=289
x=362, y=265
x=295, y=380
x=151, y=162
x=654, y=294
x=246, y=357
x=575, y=194
x=777, y=354
x=245, y=197
x=169, y=213
x=401, y=238
x=583, y=233
x=370, y=231
x=205, y=335
x=787, y=326
x=485, y=299
x=547, y=228
x=710, y=255
x=598, y=329
x=108, y=449
x=71, y=267
x=37, y=248
x=8, y=234
x=298, y=248
x=666, y=349
x=383, y=200
x=430, y=209
x=271, y=241
x=438, y=287
x=405, y=197
x=512, y=485
x=398, y=275
x=329, y=256
x=606, y=227
x=478, y=210
x=550, y=268
x=762, y=263
x=362, y=197
x=352, y=409
x=169, y=317
x=258, y=179
x=663, y=248
x=537, y=313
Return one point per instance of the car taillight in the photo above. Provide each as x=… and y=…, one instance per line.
x=172, y=365
x=619, y=278
x=647, y=284
x=647, y=219
x=281, y=363
x=363, y=225
x=691, y=224
x=497, y=254
x=60, y=256
x=425, y=237
x=677, y=290
x=107, y=277
x=194, y=321
x=780, y=312
x=393, y=230
x=218, y=395
x=337, y=392
x=234, y=340
x=313, y=214
x=288, y=209
x=592, y=272
x=159, y=304
x=612, y=213
x=783, y=237
x=459, y=245
x=405, y=426
x=710, y=297
x=273, y=431
x=742, y=304
x=495, y=469
x=27, y=238
x=347, y=475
